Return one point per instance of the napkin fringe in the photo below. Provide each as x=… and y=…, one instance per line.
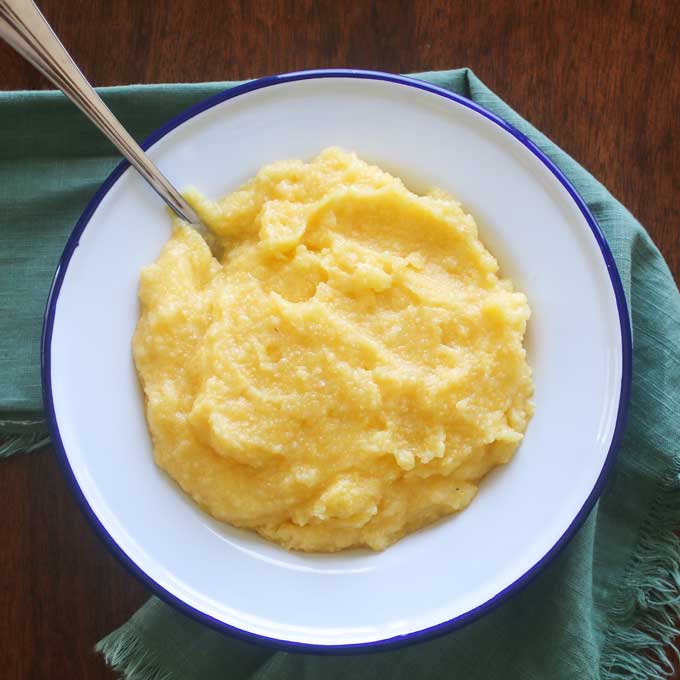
x=644, y=624
x=124, y=652
x=22, y=442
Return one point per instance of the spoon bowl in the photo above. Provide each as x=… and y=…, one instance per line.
x=434, y=580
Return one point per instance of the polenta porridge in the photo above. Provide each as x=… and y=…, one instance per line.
x=347, y=373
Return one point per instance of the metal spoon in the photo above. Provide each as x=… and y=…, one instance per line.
x=24, y=27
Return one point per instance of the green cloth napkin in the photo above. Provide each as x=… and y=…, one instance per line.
x=607, y=607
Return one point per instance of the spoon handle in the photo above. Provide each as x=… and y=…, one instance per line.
x=27, y=31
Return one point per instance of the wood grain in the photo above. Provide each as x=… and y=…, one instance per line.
x=602, y=79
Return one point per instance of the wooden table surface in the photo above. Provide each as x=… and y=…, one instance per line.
x=601, y=78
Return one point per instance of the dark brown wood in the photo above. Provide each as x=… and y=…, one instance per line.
x=602, y=79
x=60, y=588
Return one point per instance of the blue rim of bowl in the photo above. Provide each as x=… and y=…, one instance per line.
x=399, y=640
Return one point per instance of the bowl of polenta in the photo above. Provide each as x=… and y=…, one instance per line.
x=388, y=402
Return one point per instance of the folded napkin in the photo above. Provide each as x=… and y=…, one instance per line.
x=607, y=607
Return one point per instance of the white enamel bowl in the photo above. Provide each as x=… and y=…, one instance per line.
x=440, y=577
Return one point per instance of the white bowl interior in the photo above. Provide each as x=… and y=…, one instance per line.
x=542, y=242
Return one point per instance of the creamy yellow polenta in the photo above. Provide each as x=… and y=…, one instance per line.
x=350, y=370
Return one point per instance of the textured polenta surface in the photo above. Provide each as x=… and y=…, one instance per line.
x=350, y=370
